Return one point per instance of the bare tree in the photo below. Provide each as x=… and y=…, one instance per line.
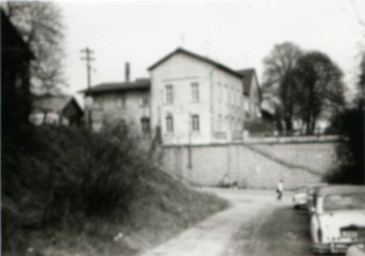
x=320, y=91
x=40, y=25
x=279, y=79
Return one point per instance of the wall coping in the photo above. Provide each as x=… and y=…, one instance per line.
x=267, y=141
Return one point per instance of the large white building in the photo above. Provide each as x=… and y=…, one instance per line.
x=188, y=99
x=195, y=100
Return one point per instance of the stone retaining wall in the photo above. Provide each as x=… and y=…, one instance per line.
x=250, y=165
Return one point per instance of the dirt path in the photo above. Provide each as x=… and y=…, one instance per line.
x=214, y=235
x=282, y=232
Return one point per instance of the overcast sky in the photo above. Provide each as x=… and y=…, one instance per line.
x=238, y=34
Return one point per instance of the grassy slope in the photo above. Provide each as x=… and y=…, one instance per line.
x=49, y=209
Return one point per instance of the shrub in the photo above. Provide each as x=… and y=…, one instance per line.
x=349, y=124
x=65, y=175
x=260, y=128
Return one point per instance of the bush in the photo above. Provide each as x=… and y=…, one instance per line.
x=350, y=150
x=260, y=128
x=70, y=192
x=65, y=175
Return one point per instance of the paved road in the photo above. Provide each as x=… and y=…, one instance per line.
x=214, y=236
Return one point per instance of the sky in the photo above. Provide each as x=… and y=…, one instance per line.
x=239, y=34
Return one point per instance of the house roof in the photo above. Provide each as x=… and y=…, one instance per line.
x=11, y=39
x=248, y=75
x=198, y=57
x=53, y=103
x=138, y=84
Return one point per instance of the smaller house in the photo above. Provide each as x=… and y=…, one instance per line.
x=56, y=110
x=126, y=103
x=252, y=93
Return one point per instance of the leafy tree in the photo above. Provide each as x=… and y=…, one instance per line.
x=350, y=125
x=361, y=83
x=350, y=150
x=279, y=78
x=320, y=91
x=40, y=25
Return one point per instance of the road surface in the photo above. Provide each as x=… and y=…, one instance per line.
x=256, y=224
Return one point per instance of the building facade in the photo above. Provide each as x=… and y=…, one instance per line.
x=252, y=94
x=188, y=99
x=195, y=100
x=125, y=103
x=56, y=110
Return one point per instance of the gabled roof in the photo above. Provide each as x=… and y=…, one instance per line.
x=139, y=84
x=53, y=103
x=198, y=57
x=248, y=75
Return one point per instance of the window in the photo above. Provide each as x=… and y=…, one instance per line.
x=120, y=102
x=145, y=121
x=169, y=123
x=195, y=91
x=96, y=104
x=145, y=101
x=246, y=105
x=108, y=105
x=219, y=92
x=169, y=94
x=219, y=122
x=227, y=91
x=195, y=122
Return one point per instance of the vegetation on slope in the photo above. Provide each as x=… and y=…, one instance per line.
x=68, y=192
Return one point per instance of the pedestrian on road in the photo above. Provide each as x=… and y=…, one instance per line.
x=280, y=189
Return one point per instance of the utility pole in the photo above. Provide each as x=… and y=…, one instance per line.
x=88, y=58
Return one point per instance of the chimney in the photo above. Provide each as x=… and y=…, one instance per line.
x=127, y=72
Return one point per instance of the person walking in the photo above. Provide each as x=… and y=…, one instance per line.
x=280, y=189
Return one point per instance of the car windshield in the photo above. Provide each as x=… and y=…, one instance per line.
x=349, y=201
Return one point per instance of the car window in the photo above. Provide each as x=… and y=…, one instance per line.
x=344, y=202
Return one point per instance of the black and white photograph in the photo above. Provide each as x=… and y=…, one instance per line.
x=182, y=128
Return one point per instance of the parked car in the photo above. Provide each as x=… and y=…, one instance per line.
x=356, y=250
x=300, y=197
x=338, y=219
x=311, y=192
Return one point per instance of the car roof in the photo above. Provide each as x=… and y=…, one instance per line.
x=335, y=189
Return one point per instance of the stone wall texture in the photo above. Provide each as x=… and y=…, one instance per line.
x=251, y=165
